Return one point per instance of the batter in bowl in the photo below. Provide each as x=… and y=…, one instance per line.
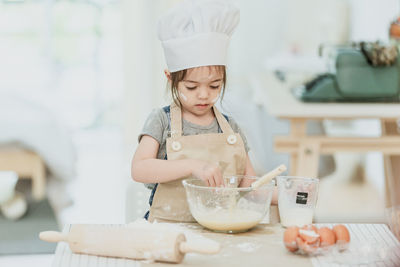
x=232, y=221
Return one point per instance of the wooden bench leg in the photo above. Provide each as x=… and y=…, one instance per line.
x=308, y=159
x=392, y=168
x=293, y=164
x=39, y=180
x=298, y=128
x=28, y=165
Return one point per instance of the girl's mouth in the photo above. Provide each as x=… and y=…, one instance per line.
x=202, y=105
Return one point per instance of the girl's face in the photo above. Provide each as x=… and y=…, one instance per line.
x=200, y=89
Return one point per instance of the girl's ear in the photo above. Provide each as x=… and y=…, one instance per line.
x=167, y=74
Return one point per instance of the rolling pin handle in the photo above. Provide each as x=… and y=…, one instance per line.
x=53, y=236
x=200, y=247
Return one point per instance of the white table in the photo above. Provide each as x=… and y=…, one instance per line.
x=305, y=150
x=261, y=246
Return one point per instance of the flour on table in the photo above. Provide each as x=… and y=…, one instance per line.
x=248, y=247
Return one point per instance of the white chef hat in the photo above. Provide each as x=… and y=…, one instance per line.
x=196, y=33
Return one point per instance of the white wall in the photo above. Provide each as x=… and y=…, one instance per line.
x=144, y=64
x=371, y=19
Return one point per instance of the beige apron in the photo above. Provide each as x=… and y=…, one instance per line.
x=226, y=149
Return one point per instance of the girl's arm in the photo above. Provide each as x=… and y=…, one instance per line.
x=250, y=171
x=146, y=168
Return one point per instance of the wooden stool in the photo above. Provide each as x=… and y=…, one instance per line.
x=28, y=165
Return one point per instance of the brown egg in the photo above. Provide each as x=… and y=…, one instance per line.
x=342, y=236
x=289, y=238
x=342, y=233
x=327, y=236
x=309, y=233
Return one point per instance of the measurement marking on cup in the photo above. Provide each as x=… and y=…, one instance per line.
x=301, y=198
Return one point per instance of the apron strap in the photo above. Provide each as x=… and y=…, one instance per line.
x=222, y=122
x=176, y=121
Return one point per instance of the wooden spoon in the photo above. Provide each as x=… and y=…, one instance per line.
x=266, y=178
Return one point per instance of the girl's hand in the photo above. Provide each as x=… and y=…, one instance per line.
x=211, y=174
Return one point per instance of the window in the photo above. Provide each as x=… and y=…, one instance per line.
x=66, y=55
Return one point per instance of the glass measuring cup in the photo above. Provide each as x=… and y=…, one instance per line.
x=297, y=198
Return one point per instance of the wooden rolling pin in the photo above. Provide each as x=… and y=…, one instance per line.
x=130, y=242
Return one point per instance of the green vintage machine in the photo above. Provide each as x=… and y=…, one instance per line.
x=367, y=72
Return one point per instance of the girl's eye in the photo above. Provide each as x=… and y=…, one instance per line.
x=190, y=88
x=214, y=87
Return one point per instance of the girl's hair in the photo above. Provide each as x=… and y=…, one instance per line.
x=178, y=76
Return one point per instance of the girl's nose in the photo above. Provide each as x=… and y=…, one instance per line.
x=203, y=92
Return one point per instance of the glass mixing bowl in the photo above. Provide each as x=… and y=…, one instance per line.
x=234, y=208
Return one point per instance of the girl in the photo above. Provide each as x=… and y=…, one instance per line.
x=191, y=137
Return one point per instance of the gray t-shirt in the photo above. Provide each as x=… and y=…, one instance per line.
x=157, y=126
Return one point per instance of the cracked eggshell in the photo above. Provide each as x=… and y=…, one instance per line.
x=309, y=233
x=304, y=247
